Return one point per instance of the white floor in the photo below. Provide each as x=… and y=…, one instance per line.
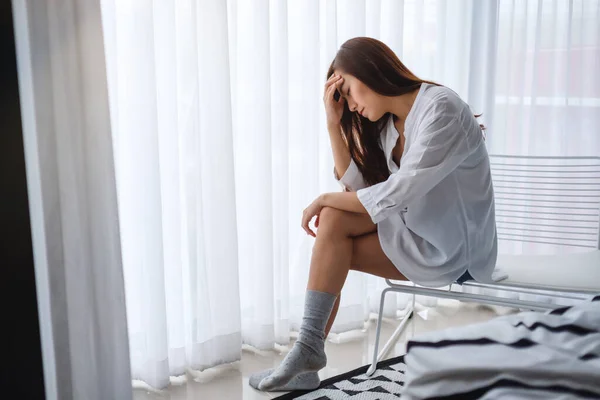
x=344, y=352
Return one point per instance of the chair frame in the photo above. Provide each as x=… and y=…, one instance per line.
x=567, y=293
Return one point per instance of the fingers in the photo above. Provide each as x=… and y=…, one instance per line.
x=333, y=79
x=329, y=93
x=317, y=221
x=305, y=221
x=308, y=230
x=338, y=86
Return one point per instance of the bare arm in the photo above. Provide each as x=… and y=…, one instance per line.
x=346, y=201
x=334, y=110
x=341, y=154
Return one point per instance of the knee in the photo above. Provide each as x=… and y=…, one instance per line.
x=332, y=223
x=331, y=217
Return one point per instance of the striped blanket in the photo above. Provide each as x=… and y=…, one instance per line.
x=554, y=355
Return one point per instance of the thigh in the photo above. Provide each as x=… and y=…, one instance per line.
x=368, y=257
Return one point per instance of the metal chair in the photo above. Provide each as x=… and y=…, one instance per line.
x=552, y=201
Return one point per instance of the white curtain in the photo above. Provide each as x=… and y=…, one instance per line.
x=220, y=142
x=547, y=97
x=72, y=199
x=168, y=74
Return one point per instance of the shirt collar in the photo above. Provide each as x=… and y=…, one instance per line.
x=389, y=139
x=389, y=135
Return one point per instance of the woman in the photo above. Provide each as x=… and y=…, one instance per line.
x=418, y=202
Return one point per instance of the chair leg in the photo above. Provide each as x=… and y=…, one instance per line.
x=393, y=339
x=373, y=366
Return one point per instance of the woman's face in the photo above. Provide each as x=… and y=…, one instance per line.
x=361, y=99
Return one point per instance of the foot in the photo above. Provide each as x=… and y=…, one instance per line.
x=300, y=360
x=305, y=381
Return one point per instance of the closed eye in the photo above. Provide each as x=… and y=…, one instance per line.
x=347, y=92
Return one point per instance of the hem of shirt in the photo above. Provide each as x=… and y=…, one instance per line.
x=486, y=275
x=427, y=283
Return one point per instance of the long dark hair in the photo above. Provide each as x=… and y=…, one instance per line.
x=374, y=64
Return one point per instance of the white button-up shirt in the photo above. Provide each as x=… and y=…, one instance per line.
x=435, y=213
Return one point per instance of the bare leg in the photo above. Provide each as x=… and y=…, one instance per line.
x=332, y=252
x=341, y=237
x=346, y=241
x=367, y=256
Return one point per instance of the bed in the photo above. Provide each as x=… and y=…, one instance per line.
x=530, y=355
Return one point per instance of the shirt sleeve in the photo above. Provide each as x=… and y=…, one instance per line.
x=352, y=179
x=440, y=146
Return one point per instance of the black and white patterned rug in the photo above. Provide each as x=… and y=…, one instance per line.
x=386, y=383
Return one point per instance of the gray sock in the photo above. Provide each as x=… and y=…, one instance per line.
x=305, y=381
x=308, y=353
